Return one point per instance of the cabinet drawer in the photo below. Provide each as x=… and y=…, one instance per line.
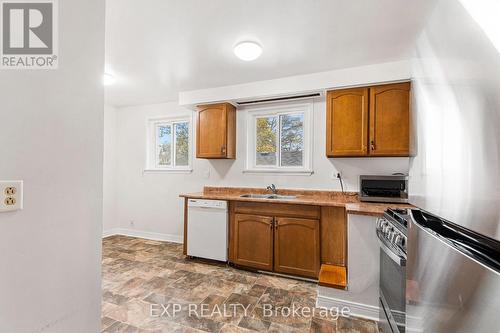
x=277, y=209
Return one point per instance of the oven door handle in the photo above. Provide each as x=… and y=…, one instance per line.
x=400, y=261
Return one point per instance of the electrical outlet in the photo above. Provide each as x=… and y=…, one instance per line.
x=10, y=201
x=10, y=190
x=11, y=195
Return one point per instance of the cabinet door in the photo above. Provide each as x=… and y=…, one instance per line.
x=296, y=246
x=390, y=120
x=347, y=122
x=211, y=133
x=253, y=241
x=333, y=236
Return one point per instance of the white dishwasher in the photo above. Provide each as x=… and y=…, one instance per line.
x=207, y=229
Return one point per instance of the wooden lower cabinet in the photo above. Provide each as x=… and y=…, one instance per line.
x=333, y=236
x=252, y=241
x=297, y=246
x=286, y=238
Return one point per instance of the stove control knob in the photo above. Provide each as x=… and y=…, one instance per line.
x=381, y=223
x=401, y=241
x=394, y=236
x=396, y=239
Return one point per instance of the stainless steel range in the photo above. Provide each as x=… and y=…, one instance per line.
x=392, y=236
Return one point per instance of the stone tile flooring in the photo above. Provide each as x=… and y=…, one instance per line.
x=145, y=281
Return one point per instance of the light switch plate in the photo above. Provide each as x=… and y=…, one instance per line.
x=11, y=195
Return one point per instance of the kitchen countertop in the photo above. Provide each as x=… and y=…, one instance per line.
x=349, y=200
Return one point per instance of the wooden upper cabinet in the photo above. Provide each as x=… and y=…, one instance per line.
x=252, y=241
x=368, y=121
x=216, y=131
x=347, y=122
x=297, y=246
x=390, y=120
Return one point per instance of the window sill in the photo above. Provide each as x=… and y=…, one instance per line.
x=154, y=171
x=281, y=172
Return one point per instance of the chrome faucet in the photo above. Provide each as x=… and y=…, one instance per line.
x=272, y=188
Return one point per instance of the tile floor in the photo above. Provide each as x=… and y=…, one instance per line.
x=145, y=282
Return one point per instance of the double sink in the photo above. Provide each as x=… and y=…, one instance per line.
x=268, y=196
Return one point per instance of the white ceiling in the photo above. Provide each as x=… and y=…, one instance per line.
x=156, y=48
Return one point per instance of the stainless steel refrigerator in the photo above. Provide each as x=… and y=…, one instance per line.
x=453, y=279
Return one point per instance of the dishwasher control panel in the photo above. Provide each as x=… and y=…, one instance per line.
x=207, y=203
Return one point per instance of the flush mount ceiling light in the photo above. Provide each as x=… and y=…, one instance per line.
x=108, y=79
x=248, y=51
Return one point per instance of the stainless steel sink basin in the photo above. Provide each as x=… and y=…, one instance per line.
x=256, y=196
x=269, y=196
x=282, y=197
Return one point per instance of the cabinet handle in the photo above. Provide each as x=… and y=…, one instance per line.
x=372, y=145
x=223, y=149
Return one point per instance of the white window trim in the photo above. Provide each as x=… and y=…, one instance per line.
x=252, y=113
x=151, y=145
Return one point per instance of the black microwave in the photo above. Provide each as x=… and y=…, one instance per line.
x=383, y=188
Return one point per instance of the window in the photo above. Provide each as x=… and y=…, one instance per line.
x=169, y=144
x=279, y=138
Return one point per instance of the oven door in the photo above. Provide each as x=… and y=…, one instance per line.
x=392, y=287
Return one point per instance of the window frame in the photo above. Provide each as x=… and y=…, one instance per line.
x=152, y=161
x=252, y=113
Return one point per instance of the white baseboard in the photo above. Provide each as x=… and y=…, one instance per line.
x=143, y=234
x=357, y=309
x=109, y=232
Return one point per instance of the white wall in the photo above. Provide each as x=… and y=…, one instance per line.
x=151, y=200
x=456, y=173
x=291, y=85
x=51, y=129
x=109, y=170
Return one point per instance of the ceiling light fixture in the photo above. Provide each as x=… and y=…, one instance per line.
x=248, y=51
x=108, y=79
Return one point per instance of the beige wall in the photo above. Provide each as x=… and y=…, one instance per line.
x=51, y=129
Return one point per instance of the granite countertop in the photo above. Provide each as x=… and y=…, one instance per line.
x=349, y=200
